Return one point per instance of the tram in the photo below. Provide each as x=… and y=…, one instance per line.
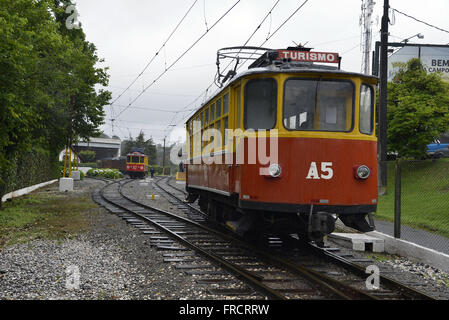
x=317, y=120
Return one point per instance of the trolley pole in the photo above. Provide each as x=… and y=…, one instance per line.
x=383, y=99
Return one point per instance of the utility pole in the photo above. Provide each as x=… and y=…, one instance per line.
x=163, y=159
x=383, y=99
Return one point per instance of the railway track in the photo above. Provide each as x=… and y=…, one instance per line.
x=310, y=273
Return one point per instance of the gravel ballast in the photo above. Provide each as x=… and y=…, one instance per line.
x=114, y=259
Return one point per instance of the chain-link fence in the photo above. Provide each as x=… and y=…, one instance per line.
x=415, y=206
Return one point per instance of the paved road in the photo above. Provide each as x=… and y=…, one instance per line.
x=420, y=237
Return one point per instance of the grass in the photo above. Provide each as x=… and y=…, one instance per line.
x=43, y=215
x=425, y=196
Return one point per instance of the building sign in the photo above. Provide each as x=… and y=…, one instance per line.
x=306, y=56
x=434, y=59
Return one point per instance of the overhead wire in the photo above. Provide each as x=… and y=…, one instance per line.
x=246, y=42
x=421, y=21
x=156, y=54
x=267, y=39
x=179, y=58
x=277, y=29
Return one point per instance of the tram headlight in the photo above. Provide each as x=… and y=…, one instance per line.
x=274, y=170
x=363, y=172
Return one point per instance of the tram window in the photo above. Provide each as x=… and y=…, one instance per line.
x=225, y=126
x=318, y=105
x=212, y=113
x=239, y=109
x=206, y=113
x=219, y=135
x=366, y=109
x=260, y=104
x=219, y=108
x=128, y=159
x=197, y=124
x=135, y=159
x=226, y=103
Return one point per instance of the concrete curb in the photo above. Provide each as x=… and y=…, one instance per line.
x=408, y=249
x=26, y=190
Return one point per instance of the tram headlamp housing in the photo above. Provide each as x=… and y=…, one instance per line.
x=362, y=172
x=274, y=170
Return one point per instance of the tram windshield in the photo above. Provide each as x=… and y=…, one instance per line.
x=318, y=105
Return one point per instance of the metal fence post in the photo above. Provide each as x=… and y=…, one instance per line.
x=397, y=201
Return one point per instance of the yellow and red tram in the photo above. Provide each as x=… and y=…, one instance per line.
x=136, y=164
x=318, y=120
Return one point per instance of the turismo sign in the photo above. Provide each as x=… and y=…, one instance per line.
x=306, y=56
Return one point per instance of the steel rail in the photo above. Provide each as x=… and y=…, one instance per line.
x=345, y=263
x=179, y=200
x=389, y=282
x=234, y=269
x=327, y=283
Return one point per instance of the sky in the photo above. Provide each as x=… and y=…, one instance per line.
x=129, y=33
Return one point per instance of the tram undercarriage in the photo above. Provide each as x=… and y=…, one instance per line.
x=312, y=224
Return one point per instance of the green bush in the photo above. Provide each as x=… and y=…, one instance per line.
x=105, y=173
x=87, y=155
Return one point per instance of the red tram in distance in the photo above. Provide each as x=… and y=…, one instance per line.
x=136, y=164
x=321, y=121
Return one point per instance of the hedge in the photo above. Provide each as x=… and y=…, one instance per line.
x=30, y=168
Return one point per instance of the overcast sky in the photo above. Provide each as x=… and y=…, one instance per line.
x=128, y=33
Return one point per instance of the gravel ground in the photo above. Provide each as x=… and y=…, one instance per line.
x=115, y=261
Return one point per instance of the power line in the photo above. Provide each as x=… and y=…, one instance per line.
x=416, y=19
x=246, y=42
x=149, y=109
x=278, y=28
x=179, y=58
x=157, y=53
x=252, y=35
x=156, y=92
x=267, y=39
x=286, y=20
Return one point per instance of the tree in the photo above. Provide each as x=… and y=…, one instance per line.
x=418, y=109
x=87, y=155
x=48, y=79
x=148, y=146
